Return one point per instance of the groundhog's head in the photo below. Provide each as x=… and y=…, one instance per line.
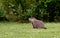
x=32, y=19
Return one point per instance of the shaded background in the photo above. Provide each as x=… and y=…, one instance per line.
x=21, y=10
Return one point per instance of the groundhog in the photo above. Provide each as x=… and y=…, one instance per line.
x=37, y=23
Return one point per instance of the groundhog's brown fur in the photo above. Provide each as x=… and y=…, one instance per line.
x=37, y=23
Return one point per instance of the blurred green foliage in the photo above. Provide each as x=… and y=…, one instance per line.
x=21, y=10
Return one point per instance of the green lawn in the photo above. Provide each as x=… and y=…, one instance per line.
x=25, y=30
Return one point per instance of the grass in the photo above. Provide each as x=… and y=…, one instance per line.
x=25, y=30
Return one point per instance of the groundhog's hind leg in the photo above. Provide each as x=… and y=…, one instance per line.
x=45, y=28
